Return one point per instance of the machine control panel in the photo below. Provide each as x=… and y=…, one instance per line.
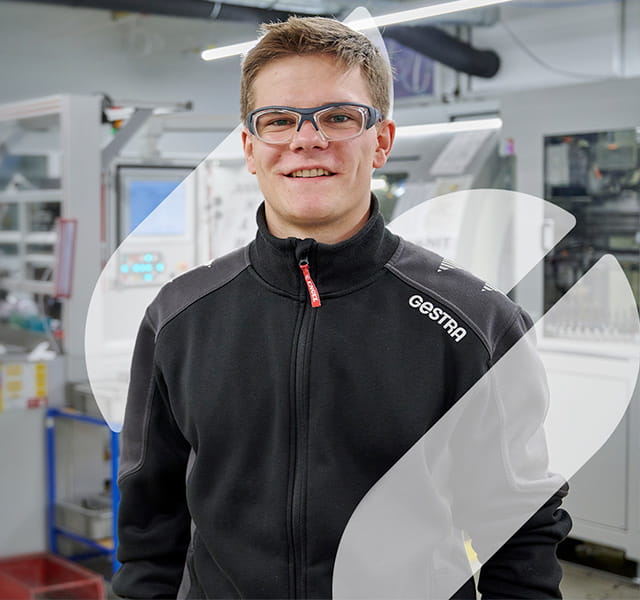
x=142, y=268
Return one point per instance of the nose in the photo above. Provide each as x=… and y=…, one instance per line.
x=308, y=137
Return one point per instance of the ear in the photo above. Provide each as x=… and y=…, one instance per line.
x=247, y=146
x=386, y=133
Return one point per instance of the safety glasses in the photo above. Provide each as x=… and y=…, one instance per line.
x=337, y=121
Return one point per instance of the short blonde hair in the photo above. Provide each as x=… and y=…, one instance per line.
x=317, y=35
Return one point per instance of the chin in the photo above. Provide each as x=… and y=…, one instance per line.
x=312, y=218
x=313, y=206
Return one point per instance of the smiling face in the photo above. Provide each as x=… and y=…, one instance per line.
x=313, y=187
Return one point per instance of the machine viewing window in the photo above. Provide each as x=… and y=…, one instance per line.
x=596, y=177
x=144, y=197
x=141, y=190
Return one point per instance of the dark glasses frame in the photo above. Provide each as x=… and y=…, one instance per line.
x=308, y=114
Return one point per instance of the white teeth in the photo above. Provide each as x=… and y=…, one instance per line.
x=310, y=173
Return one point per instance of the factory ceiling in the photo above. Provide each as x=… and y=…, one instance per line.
x=261, y=10
x=430, y=40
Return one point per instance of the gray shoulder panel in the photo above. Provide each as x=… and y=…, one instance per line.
x=182, y=291
x=487, y=312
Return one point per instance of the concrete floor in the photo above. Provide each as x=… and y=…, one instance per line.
x=584, y=583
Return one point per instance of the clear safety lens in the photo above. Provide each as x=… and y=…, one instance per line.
x=335, y=123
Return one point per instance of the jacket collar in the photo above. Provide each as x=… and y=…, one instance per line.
x=335, y=268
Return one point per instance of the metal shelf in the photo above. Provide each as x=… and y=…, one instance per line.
x=43, y=260
x=54, y=195
x=28, y=285
x=35, y=237
x=10, y=236
x=102, y=547
x=40, y=237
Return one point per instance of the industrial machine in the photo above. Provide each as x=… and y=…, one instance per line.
x=596, y=176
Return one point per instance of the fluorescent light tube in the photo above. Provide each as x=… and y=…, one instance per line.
x=423, y=12
x=449, y=127
x=224, y=51
x=402, y=16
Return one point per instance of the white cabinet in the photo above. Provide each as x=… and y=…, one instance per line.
x=604, y=496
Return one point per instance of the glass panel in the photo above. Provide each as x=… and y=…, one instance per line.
x=596, y=177
x=8, y=216
x=29, y=154
x=40, y=248
x=42, y=215
x=8, y=249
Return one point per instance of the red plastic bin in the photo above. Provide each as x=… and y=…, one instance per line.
x=47, y=577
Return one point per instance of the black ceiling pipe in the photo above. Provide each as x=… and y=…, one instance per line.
x=198, y=9
x=446, y=49
x=250, y=14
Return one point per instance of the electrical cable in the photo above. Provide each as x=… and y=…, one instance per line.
x=546, y=65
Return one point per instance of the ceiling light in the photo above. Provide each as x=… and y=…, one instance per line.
x=424, y=12
x=402, y=16
x=224, y=51
x=449, y=127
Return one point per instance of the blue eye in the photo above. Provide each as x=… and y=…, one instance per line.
x=276, y=120
x=341, y=121
x=281, y=122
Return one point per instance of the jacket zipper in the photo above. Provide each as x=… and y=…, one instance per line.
x=300, y=467
x=300, y=408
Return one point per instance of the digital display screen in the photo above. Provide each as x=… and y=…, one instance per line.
x=145, y=195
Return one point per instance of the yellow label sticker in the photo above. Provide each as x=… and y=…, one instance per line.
x=13, y=369
x=14, y=387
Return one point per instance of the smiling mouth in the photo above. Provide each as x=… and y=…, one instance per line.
x=310, y=173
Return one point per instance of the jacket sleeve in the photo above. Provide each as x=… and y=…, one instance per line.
x=526, y=566
x=512, y=508
x=153, y=520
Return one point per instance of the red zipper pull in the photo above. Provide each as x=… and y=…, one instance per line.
x=313, y=290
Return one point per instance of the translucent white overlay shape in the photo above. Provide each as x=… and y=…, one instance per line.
x=488, y=464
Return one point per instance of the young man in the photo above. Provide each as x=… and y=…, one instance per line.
x=271, y=389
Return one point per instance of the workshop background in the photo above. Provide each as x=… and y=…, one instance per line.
x=107, y=107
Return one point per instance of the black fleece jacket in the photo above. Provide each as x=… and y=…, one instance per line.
x=256, y=422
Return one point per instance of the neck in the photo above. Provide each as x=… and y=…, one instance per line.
x=324, y=233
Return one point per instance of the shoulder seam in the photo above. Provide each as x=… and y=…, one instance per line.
x=516, y=314
x=207, y=290
x=489, y=342
x=442, y=300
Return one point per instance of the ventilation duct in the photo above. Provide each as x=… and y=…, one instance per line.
x=446, y=49
x=259, y=11
x=198, y=9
